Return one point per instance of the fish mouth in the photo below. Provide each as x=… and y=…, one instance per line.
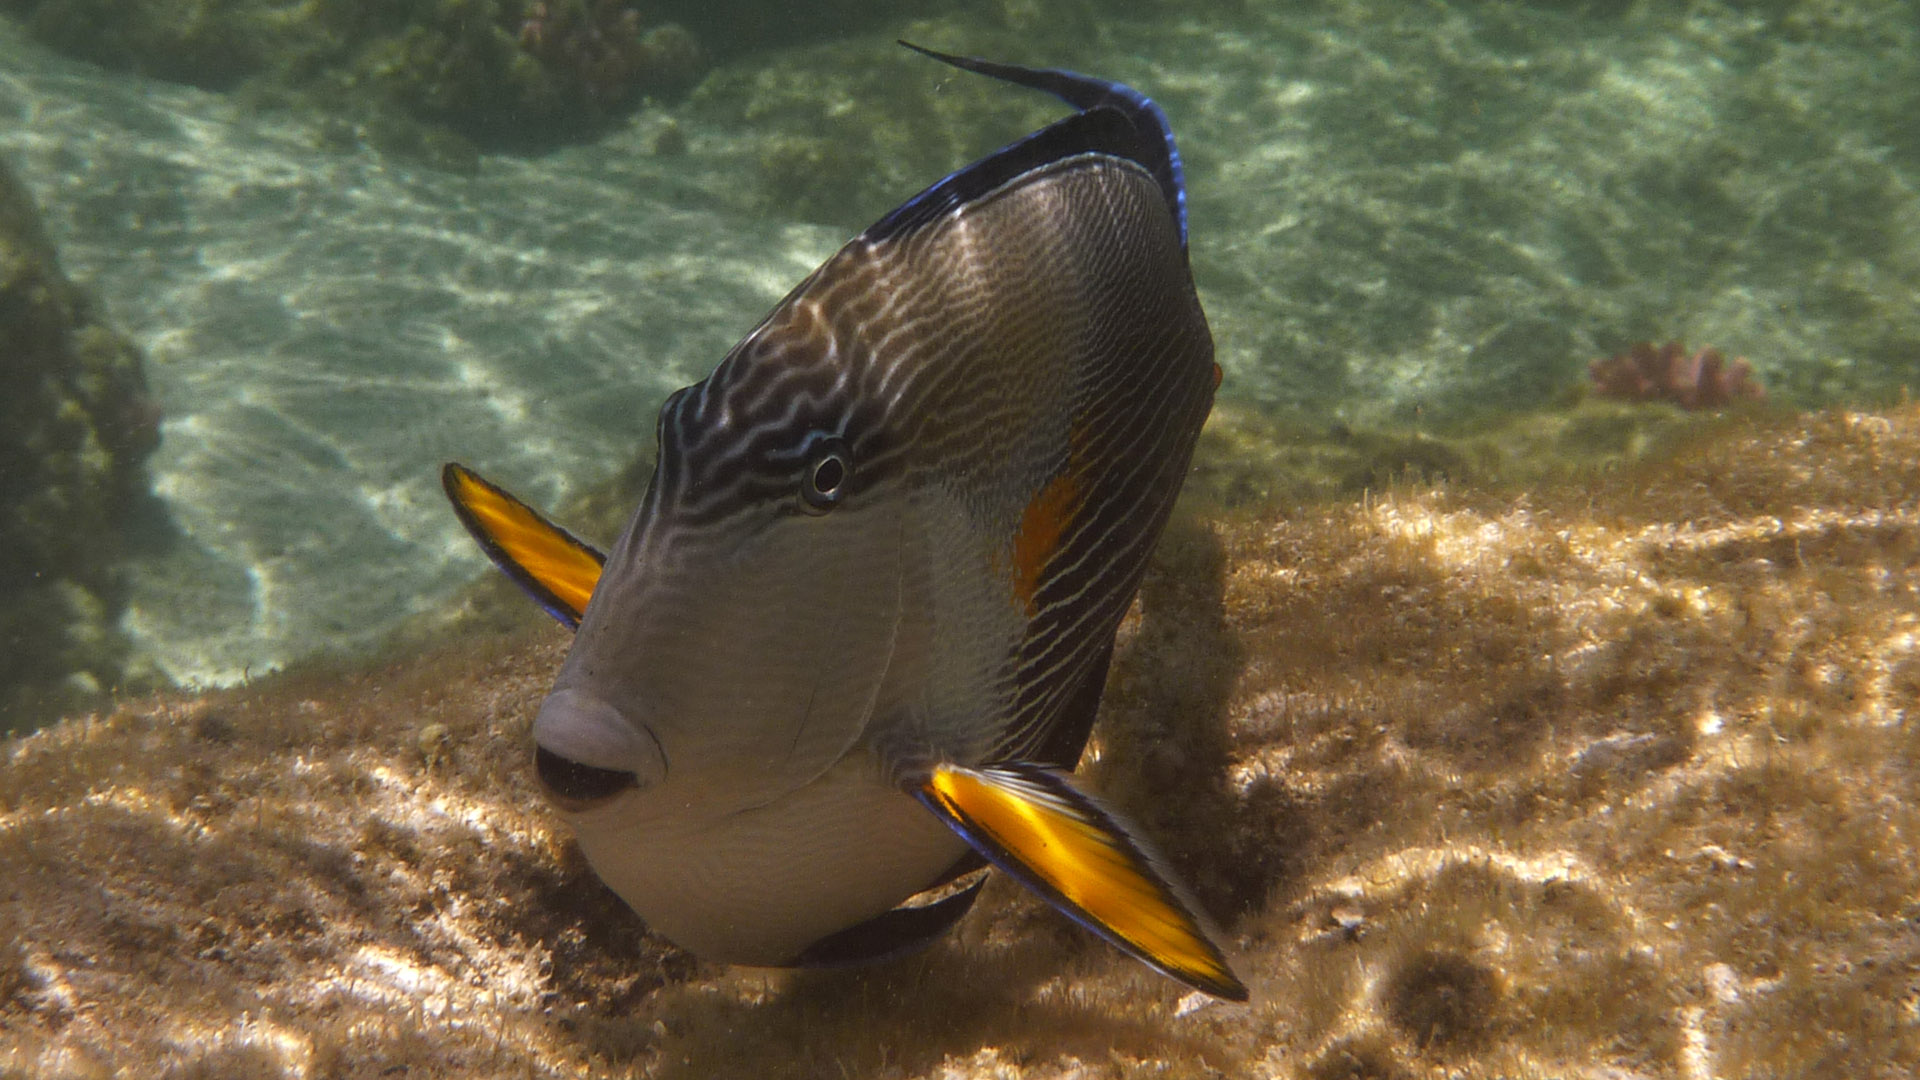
x=587, y=752
x=575, y=787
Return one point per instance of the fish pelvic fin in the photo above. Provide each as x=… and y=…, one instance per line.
x=556, y=568
x=895, y=933
x=1031, y=822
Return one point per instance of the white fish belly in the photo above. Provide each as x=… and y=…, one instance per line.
x=759, y=886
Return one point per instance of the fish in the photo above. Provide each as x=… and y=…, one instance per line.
x=850, y=646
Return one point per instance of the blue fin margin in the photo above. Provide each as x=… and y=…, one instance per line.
x=1138, y=131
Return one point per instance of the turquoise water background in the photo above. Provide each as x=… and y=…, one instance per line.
x=1409, y=214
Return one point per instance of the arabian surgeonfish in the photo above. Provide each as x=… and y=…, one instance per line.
x=854, y=637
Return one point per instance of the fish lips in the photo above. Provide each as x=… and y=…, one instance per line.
x=588, y=752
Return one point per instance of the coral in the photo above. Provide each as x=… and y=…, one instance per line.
x=1608, y=778
x=76, y=426
x=516, y=76
x=1700, y=380
x=600, y=47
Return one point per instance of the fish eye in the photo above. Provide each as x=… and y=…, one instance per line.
x=829, y=467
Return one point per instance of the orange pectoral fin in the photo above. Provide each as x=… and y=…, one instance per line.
x=550, y=563
x=1034, y=824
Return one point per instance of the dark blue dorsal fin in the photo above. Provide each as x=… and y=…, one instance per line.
x=1114, y=119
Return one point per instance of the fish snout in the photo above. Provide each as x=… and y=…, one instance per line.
x=587, y=751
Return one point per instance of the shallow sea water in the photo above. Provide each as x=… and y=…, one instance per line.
x=1608, y=779
x=1401, y=216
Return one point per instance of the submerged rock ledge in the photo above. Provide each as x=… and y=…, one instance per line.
x=1616, y=778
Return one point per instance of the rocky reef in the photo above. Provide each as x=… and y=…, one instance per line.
x=432, y=79
x=76, y=426
x=1615, y=777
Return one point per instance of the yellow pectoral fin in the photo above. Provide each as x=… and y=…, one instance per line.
x=555, y=568
x=1034, y=824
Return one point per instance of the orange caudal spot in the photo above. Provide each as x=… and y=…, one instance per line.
x=1041, y=527
x=1216, y=376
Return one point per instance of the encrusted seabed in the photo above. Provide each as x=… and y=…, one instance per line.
x=1616, y=778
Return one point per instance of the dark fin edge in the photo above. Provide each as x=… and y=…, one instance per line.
x=450, y=475
x=1156, y=150
x=1066, y=738
x=1172, y=894
x=895, y=933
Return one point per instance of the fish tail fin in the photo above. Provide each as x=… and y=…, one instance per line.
x=1087, y=93
x=1031, y=822
x=554, y=567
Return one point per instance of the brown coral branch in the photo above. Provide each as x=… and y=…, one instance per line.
x=1649, y=372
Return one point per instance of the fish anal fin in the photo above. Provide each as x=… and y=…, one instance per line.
x=893, y=933
x=554, y=567
x=1033, y=823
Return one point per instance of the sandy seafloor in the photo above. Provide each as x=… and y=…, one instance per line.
x=1604, y=781
x=1402, y=216
x=1608, y=775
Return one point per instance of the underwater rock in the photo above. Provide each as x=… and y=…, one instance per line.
x=1610, y=778
x=512, y=75
x=212, y=44
x=76, y=426
x=527, y=75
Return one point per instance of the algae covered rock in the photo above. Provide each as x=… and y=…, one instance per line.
x=504, y=74
x=213, y=44
x=76, y=425
x=526, y=75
